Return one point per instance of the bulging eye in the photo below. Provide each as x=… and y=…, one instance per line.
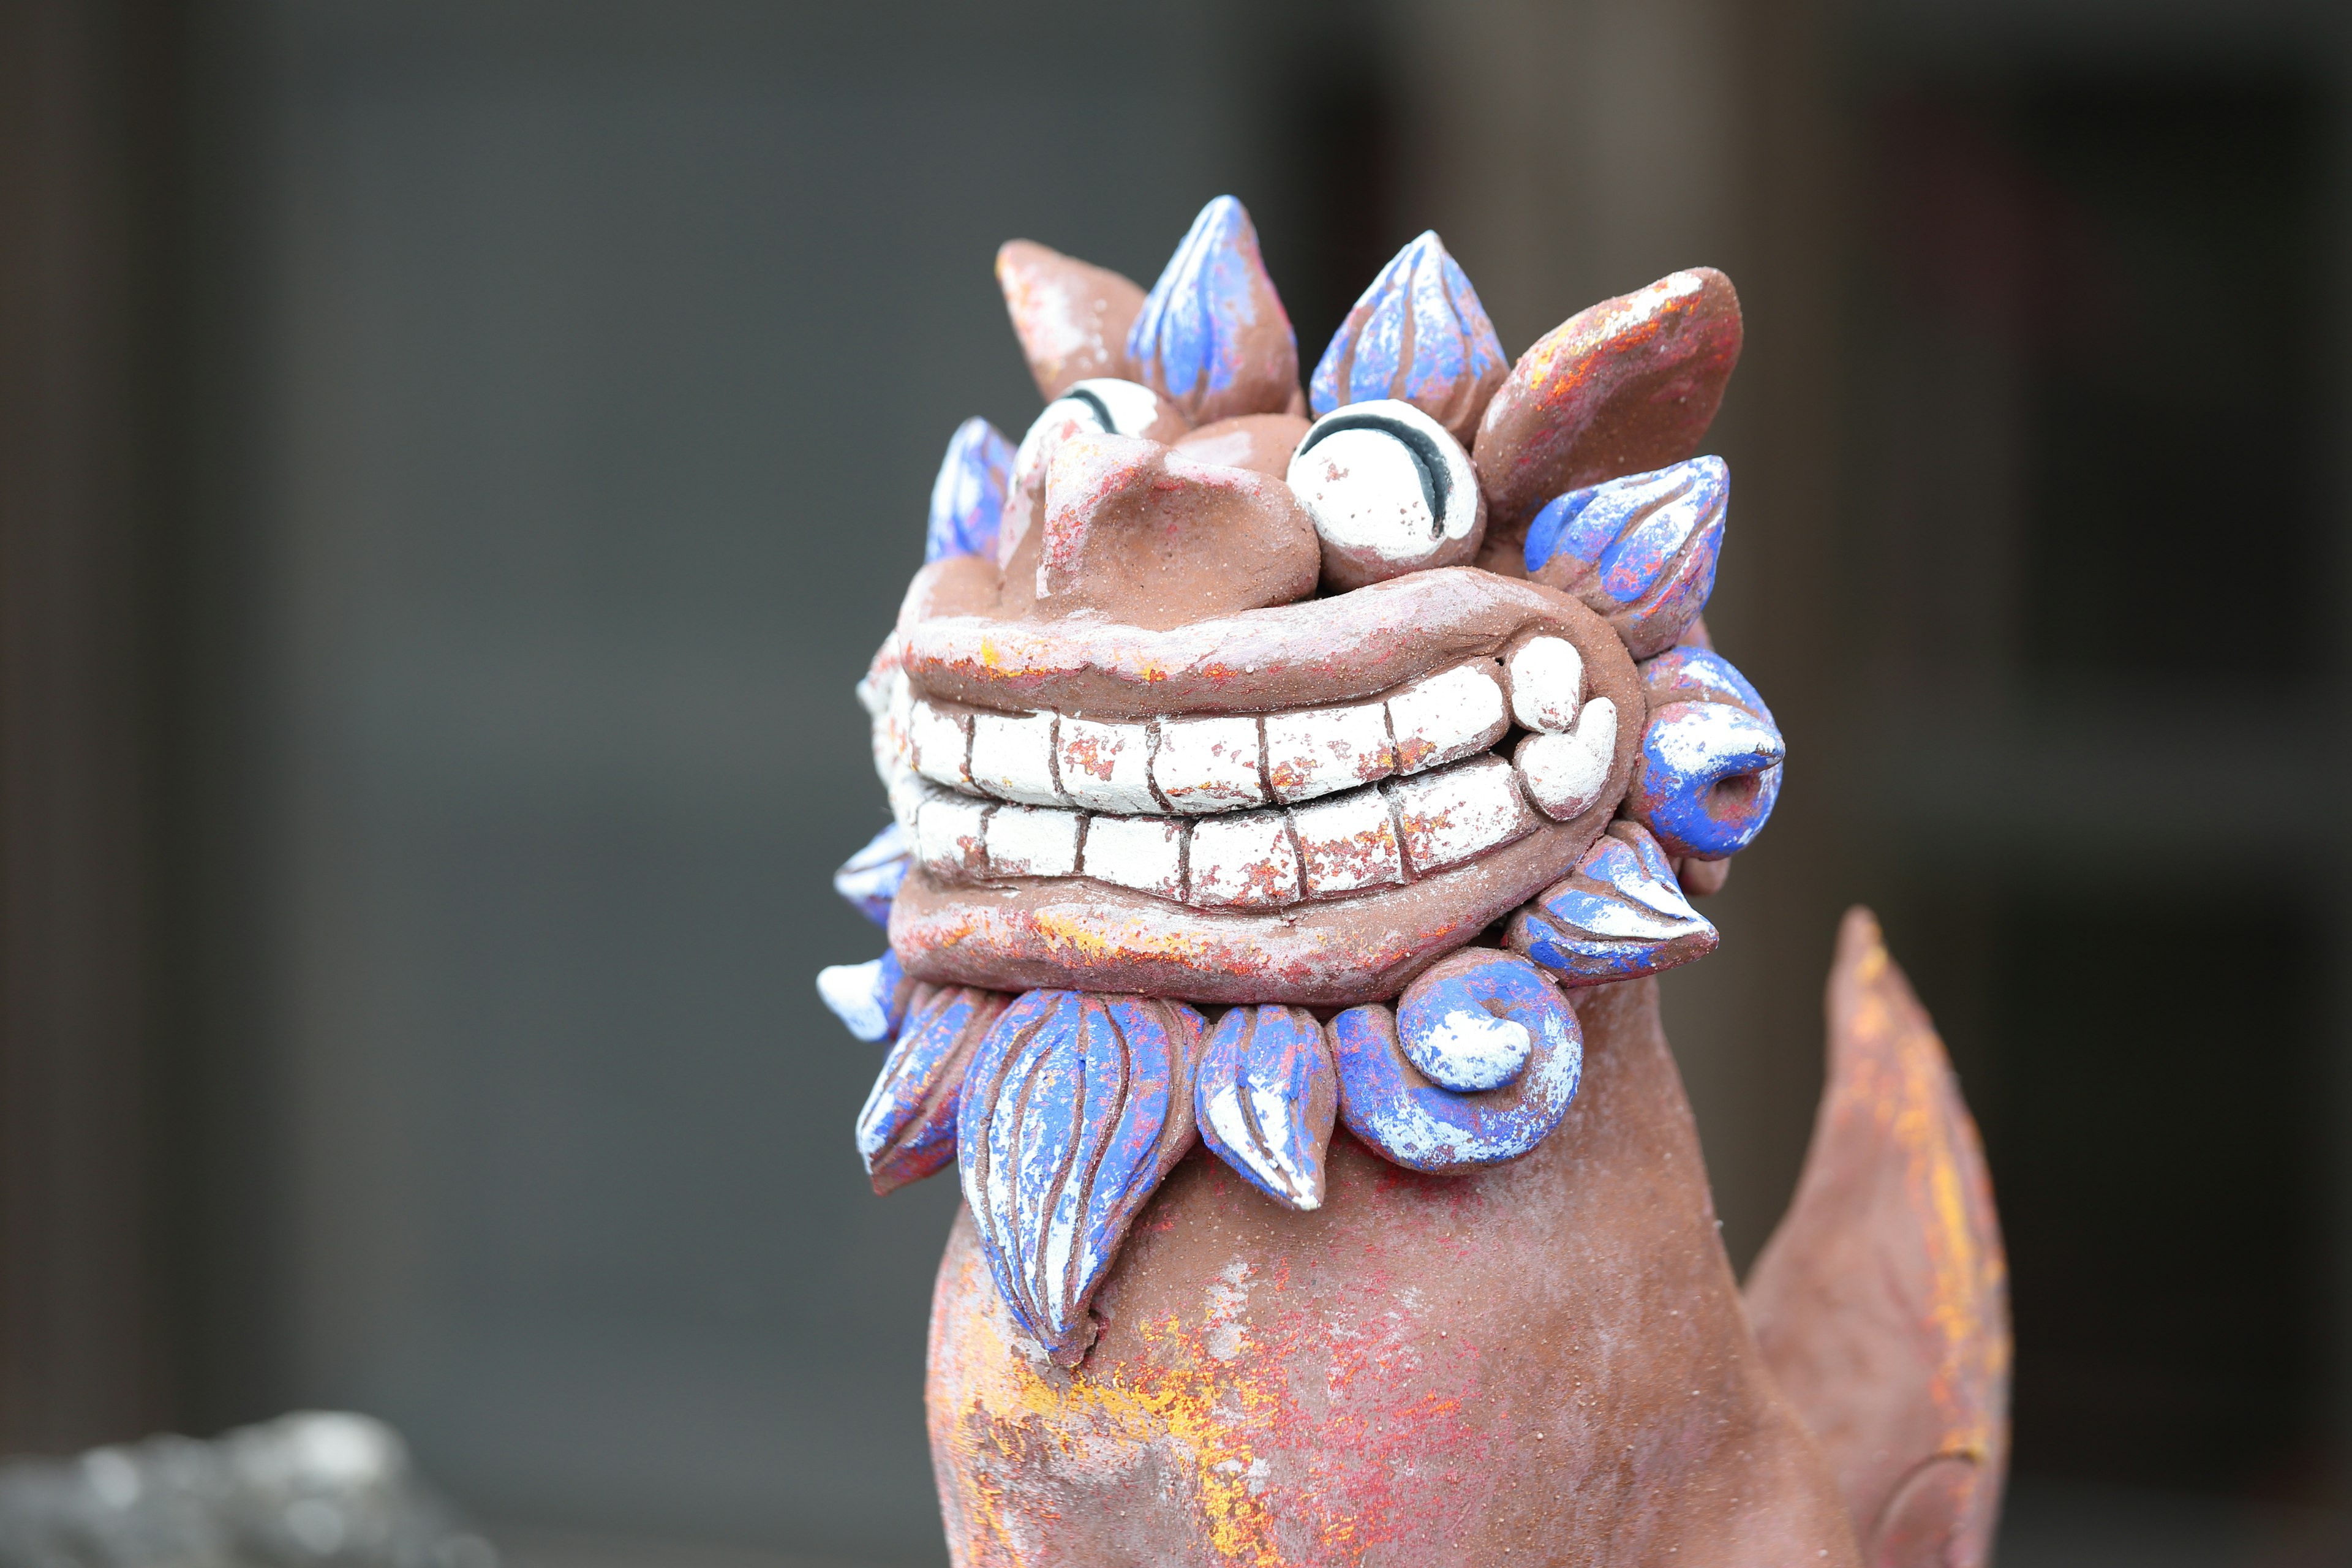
x=1389, y=492
x=1102, y=407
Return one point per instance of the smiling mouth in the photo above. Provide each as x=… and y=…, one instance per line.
x=1291, y=803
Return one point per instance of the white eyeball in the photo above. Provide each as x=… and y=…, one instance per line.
x=1102, y=407
x=1389, y=492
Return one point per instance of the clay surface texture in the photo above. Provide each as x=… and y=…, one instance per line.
x=1293, y=792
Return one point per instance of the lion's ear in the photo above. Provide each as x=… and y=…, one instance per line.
x=1626, y=386
x=1072, y=317
x=1212, y=337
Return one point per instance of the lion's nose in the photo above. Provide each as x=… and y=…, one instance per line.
x=1144, y=535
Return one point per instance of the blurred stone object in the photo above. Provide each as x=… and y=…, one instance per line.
x=312, y=1487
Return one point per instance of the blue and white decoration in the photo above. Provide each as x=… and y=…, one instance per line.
x=869, y=998
x=968, y=497
x=907, y=1128
x=1199, y=339
x=1074, y=1109
x=1532, y=1064
x=1640, y=549
x=1418, y=335
x=1265, y=1098
x=869, y=879
x=1709, y=772
x=1620, y=916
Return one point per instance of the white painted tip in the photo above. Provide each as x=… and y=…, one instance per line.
x=854, y=992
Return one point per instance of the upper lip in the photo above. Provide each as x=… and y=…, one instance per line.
x=1305, y=655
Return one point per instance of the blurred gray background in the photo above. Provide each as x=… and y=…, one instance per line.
x=454, y=459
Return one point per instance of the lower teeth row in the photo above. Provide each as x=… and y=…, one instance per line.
x=1380, y=836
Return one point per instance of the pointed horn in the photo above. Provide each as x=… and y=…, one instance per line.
x=967, y=496
x=1881, y=1302
x=1212, y=336
x=1419, y=336
x=1628, y=385
x=1072, y=317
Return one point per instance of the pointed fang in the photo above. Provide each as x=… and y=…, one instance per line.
x=1391, y=1105
x=1419, y=336
x=869, y=879
x=1639, y=551
x=1212, y=336
x=1267, y=1094
x=968, y=497
x=1075, y=1107
x=907, y=1129
x=1619, y=915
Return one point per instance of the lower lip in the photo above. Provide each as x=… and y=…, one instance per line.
x=1081, y=935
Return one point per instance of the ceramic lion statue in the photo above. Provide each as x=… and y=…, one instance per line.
x=1295, y=794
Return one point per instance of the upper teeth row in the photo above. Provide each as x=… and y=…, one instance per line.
x=1197, y=767
x=1126, y=776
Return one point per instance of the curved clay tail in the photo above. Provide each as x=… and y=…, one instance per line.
x=1882, y=1302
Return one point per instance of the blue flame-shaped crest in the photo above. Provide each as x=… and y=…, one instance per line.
x=1212, y=336
x=1418, y=335
x=968, y=497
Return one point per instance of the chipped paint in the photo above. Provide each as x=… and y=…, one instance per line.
x=1265, y=1097
x=1387, y=1100
x=1419, y=335
x=1711, y=761
x=1283, y=1424
x=1074, y=1109
x=1621, y=914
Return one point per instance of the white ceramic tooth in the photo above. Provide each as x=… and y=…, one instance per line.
x=1564, y=774
x=1012, y=757
x=1546, y=681
x=1107, y=767
x=902, y=707
x=1208, y=765
x=1320, y=751
x=1245, y=860
x=906, y=793
x=1450, y=715
x=1451, y=816
x=951, y=835
x=894, y=745
x=891, y=751
x=1348, y=843
x=1146, y=853
x=873, y=689
x=942, y=743
x=1033, y=841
